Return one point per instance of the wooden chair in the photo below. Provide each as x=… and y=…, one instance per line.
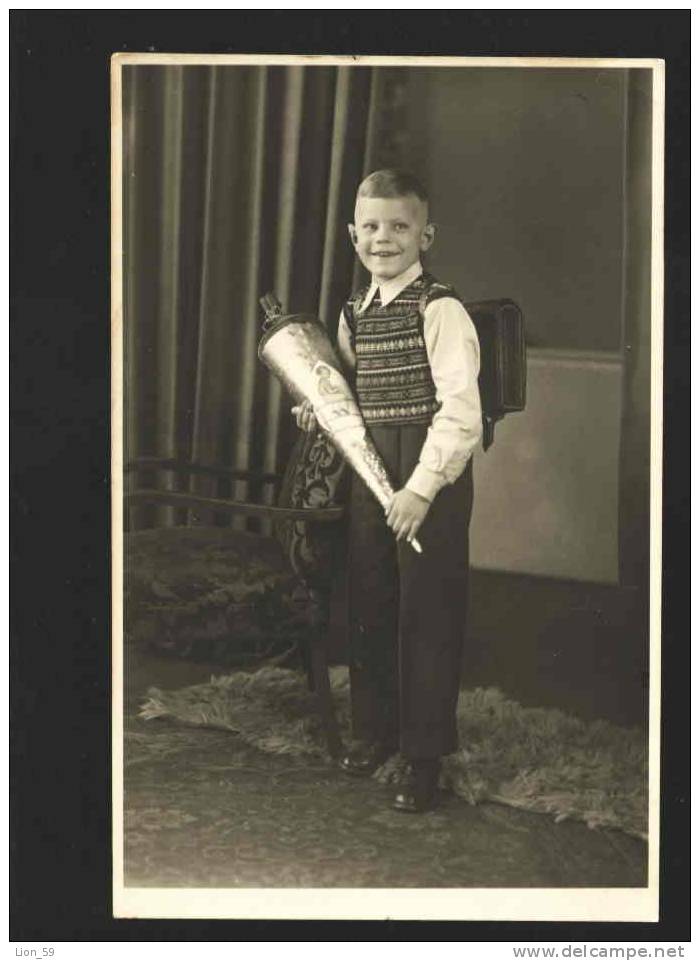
x=308, y=534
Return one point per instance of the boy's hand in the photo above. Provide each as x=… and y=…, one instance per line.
x=406, y=513
x=306, y=419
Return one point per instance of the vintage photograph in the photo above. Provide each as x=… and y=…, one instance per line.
x=386, y=472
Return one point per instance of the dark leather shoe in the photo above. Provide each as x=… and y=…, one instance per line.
x=419, y=791
x=363, y=760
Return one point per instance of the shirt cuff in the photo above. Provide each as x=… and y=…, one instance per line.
x=426, y=483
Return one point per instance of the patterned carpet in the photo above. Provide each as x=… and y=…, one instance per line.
x=203, y=808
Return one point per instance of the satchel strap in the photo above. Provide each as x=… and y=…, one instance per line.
x=436, y=291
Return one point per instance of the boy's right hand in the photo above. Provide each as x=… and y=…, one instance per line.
x=306, y=419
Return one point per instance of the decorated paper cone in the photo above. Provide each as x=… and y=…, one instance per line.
x=297, y=350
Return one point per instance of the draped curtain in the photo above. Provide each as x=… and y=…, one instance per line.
x=237, y=180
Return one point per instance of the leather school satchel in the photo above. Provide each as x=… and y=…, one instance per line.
x=503, y=370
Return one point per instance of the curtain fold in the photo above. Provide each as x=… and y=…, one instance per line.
x=292, y=122
x=237, y=180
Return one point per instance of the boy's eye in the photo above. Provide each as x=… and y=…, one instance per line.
x=401, y=226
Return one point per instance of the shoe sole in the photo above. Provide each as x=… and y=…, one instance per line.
x=350, y=773
x=423, y=809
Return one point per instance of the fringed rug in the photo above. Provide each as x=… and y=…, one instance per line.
x=529, y=758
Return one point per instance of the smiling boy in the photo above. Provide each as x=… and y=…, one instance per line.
x=413, y=354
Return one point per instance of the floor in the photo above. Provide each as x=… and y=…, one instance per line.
x=202, y=808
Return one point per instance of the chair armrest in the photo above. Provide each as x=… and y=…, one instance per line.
x=187, y=467
x=176, y=499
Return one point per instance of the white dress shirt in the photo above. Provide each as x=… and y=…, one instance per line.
x=452, y=346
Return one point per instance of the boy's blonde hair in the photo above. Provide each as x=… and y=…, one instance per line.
x=392, y=182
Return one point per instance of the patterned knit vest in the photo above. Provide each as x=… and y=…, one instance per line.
x=394, y=384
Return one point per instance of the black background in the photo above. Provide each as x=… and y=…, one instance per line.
x=60, y=394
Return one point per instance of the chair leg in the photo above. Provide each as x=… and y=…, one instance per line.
x=306, y=663
x=322, y=689
x=318, y=671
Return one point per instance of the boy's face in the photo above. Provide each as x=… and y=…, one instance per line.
x=389, y=234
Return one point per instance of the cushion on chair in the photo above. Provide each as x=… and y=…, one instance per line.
x=316, y=476
x=209, y=592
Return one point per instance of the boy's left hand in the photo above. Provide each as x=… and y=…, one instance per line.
x=405, y=513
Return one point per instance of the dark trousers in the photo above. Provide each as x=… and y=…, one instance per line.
x=407, y=610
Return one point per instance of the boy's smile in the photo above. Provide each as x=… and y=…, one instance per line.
x=389, y=234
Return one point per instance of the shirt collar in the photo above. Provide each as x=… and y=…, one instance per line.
x=390, y=289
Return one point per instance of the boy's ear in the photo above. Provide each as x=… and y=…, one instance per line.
x=428, y=236
x=353, y=234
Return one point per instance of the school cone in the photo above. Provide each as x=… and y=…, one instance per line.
x=297, y=350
